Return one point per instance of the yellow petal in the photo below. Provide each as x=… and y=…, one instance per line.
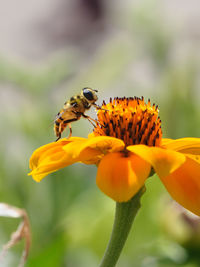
x=92, y=150
x=188, y=146
x=165, y=141
x=120, y=177
x=39, y=153
x=91, y=135
x=163, y=161
x=184, y=185
x=183, y=144
x=51, y=157
x=38, y=177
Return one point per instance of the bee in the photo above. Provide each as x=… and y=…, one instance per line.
x=74, y=109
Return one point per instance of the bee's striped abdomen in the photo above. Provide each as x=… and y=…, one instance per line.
x=58, y=124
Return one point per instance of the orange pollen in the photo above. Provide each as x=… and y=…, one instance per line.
x=131, y=120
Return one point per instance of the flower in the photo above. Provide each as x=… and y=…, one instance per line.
x=125, y=145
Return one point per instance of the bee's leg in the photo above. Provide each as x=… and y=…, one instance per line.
x=59, y=136
x=90, y=119
x=67, y=123
x=63, y=126
x=70, y=130
x=98, y=107
x=57, y=130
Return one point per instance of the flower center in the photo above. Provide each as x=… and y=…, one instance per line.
x=131, y=120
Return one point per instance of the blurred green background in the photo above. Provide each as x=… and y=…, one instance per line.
x=48, y=52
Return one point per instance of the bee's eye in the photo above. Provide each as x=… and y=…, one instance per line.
x=88, y=94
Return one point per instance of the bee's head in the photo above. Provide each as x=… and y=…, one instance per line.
x=89, y=94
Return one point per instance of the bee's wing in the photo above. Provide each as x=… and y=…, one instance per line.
x=67, y=114
x=59, y=115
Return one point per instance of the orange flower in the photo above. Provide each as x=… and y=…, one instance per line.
x=126, y=143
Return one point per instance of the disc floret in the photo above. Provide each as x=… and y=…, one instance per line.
x=131, y=120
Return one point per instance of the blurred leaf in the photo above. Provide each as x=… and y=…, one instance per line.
x=35, y=80
x=52, y=254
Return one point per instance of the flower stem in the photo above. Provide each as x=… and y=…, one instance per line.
x=125, y=213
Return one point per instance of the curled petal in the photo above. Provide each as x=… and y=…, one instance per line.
x=192, y=144
x=187, y=146
x=184, y=185
x=94, y=148
x=165, y=141
x=51, y=157
x=163, y=161
x=120, y=176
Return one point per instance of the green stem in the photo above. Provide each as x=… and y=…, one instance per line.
x=125, y=213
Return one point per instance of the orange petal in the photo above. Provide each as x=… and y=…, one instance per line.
x=163, y=161
x=187, y=146
x=184, y=185
x=94, y=148
x=51, y=157
x=120, y=176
